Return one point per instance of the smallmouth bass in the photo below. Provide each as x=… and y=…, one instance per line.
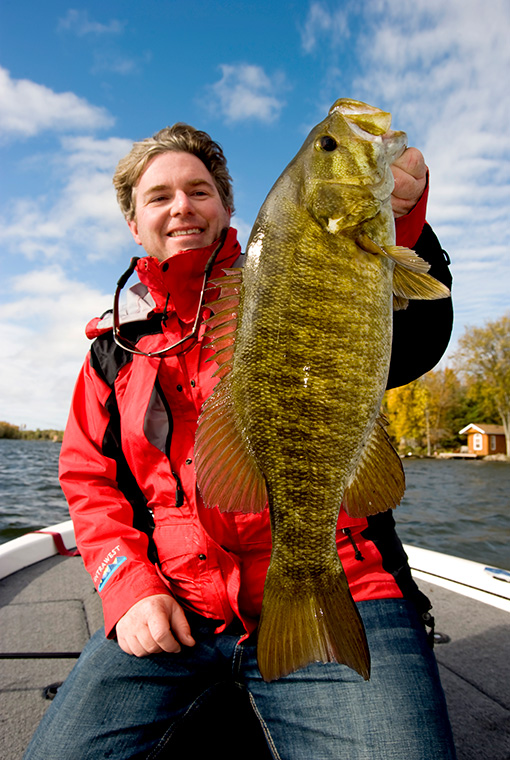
x=302, y=337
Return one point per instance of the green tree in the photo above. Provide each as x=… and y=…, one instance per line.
x=445, y=409
x=9, y=431
x=483, y=357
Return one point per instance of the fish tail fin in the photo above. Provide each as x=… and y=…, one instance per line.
x=300, y=625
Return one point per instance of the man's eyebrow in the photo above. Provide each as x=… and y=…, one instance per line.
x=190, y=183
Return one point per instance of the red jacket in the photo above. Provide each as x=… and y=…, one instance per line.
x=126, y=468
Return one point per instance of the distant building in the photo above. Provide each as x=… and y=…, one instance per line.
x=485, y=439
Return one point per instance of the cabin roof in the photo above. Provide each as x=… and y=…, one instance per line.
x=481, y=427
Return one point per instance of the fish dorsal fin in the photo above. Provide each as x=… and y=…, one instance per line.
x=227, y=474
x=410, y=278
x=378, y=482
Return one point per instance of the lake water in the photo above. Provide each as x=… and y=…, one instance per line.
x=460, y=507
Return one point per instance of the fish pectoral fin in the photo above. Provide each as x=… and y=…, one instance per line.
x=302, y=623
x=378, y=483
x=417, y=285
x=227, y=475
x=410, y=278
x=399, y=304
x=404, y=257
x=407, y=258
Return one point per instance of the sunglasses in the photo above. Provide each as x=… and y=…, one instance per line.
x=191, y=338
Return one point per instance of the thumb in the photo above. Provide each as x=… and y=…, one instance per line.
x=180, y=626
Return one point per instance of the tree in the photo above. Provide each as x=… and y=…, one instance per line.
x=426, y=413
x=444, y=395
x=406, y=407
x=484, y=357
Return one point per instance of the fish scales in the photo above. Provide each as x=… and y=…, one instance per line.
x=309, y=366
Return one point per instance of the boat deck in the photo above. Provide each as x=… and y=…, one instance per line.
x=51, y=606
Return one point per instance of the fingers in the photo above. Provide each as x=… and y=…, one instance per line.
x=153, y=625
x=410, y=174
x=412, y=162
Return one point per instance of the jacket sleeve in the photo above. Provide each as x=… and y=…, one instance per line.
x=422, y=331
x=114, y=548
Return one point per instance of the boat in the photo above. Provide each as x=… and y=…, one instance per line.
x=49, y=608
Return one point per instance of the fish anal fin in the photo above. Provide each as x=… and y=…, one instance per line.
x=378, y=483
x=301, y=624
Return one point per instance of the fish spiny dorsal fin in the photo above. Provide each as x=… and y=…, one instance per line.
x=227, y=474
x=222, y=325
x=410, y=278
x=378, y=482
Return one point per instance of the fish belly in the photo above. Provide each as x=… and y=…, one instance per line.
x=310, y=370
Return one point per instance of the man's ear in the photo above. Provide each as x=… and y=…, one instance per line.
x=134, y=230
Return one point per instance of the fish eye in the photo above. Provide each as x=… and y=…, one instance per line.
x=327, y=143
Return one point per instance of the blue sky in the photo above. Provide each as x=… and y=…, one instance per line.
x=80, y=81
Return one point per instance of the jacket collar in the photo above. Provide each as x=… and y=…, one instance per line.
x=177, y=281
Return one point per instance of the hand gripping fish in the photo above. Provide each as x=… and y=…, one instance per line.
x=302, y=337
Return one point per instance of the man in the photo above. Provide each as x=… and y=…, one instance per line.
x=182, y=585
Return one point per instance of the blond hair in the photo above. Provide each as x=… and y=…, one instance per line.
x=180, y=137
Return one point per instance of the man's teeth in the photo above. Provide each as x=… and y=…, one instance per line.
x=177, y=233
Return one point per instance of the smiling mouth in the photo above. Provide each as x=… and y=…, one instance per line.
x=191, y=231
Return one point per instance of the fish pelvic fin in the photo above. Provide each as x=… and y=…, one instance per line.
x=378, y=482
x=227, y=474
x=410, y=278
x=301, y=624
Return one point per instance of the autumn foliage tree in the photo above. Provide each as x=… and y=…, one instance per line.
x=405, y=408
x=483, y=357
x=424, y=414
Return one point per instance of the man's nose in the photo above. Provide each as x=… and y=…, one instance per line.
x=181, y=203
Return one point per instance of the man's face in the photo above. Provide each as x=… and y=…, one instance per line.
x=177, y=206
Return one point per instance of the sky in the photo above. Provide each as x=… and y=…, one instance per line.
x=79, y=82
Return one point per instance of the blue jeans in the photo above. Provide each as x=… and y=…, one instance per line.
x=115, y=706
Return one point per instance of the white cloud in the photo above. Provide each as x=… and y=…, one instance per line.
x=80, y=24
x=246, y=92
x=243, y=231
x=440, y=69
x=44, y=345
x=81, y=217
x=323, y=24
x=111, y=61
x=27, y=108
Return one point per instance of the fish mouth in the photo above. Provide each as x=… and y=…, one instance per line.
x=361, y=181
